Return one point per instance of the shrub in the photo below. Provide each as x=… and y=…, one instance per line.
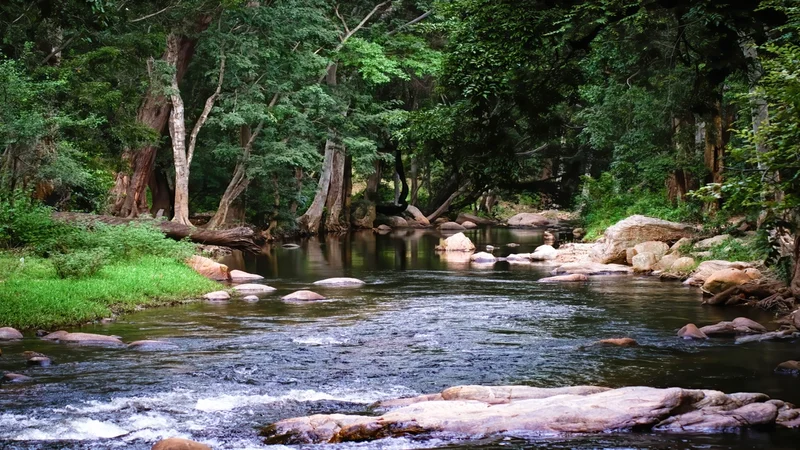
x=125, y=242
x=81, y=263
x=27, y=224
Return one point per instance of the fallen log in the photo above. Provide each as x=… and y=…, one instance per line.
x=240, y=238
x=749, y=290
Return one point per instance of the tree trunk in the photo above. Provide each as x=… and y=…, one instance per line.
x=347, y=188
x=373, y=181
x=239, y=180
x=794, y=285
x=310, y=220
x=334, y=202
x=241, y=238
x=443, y=208
x=298, y=184
x=130, y=184
x=414, y=180
x=161, y=192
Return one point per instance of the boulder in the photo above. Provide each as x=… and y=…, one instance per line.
x=452, y=226
x=744, y=323
x=529, y=220
x=209, y=268
x=466, y=217
x=238, y=276
x=788, y=368
x=151, y=344
x=690, y=331
x=417, y=215
x=519, y=257
x=666, y=262
x=90, y=339
x=739, y=325
x=682, y=243
x=469, y=225
x=175, y=443
x=706, y=244
x=681, y=265
x=495, y=411
x=339, y=282
x=383, y=228
x=397, y=222
x=440, y=220
x=217, y=296
x=565, y=278
x=578, y=233
x=727, y=278
x=303, y=296
x=253, y=289
x=593, y=268
x=706, y=268
x=644, y=262
x=544, y=253
x=9, y=334
x=456, y=243
x=250, y=298
x=483, y=257
x=635, y=230
x=619, y=342
x=658, y=248
x=770, y=336
x=573, y=252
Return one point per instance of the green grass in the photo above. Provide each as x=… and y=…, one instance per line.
x=33, y=296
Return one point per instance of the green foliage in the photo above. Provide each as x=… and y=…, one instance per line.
x=603, y=203
x=27, y=224
x=739, y=250
x=80, y=263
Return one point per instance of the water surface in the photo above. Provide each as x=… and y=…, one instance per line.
x=421, y=323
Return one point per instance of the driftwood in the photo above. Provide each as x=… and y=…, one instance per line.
x=744, y=291
x=241, y=238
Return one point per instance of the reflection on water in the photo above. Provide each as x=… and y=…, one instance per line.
x=420, y=324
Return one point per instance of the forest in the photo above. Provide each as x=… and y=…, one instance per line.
x=299, y=117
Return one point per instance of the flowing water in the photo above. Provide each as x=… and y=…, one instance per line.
x=420, y=324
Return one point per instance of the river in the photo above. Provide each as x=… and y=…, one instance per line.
x=420, y=324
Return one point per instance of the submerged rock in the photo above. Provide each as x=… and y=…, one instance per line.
x=304, y=296
x=690, y=331
x=250, y=298
x=238, y=276
x=15, y=378
x=483, y=257
x=486, y=411
x=217, y=296
x=339, y=282
x=8, y=334
x=90, y=339
x=452, y=226
x=593, y=268
x=565, y=278
x=54, y=336
x=253, y=289
x=41, y=361
x=619, y=342
x=788, y=368
x=151, y=344
x=175, y=443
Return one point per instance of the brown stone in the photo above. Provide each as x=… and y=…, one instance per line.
x=635, y=230
x=452, y=226
x=209, y=268
x=175, y=443
x=619, y=342
x=728, y=278
x=788, y=368
x=690, y=331
x=565, y=278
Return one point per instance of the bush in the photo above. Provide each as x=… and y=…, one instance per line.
x=81, y=263
x=126, y=242
x=27, y=224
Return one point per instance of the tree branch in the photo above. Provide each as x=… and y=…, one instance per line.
x=206, y=111
x=408, y=24
x=154, y=14
x=531, y=152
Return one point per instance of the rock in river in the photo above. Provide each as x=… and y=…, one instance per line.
x=483, y=257
x=217, y=296
x=487, y=411
x=239, y=276
x=253, y=289
x=619, y=342
x=8, y=334
x=175, y=443
x=149, y=344
x=565, y=278
x=304, y=296
x=451, y=226
x=339, y=282
x=592, y=268
x=458, y=242
x=788, y=368
x=690, y=331
x=209, y=268
x=15, y=378
x=90, y=339
x=635, y=230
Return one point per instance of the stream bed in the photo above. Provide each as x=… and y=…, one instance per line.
x=420, y=324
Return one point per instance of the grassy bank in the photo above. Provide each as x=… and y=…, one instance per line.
x=32, y=295
x=56, y=274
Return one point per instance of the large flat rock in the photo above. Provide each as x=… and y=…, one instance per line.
x=591, y=268
x=635, y=230
x=486, y=411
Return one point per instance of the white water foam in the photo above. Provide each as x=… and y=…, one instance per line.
x=319, y=340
